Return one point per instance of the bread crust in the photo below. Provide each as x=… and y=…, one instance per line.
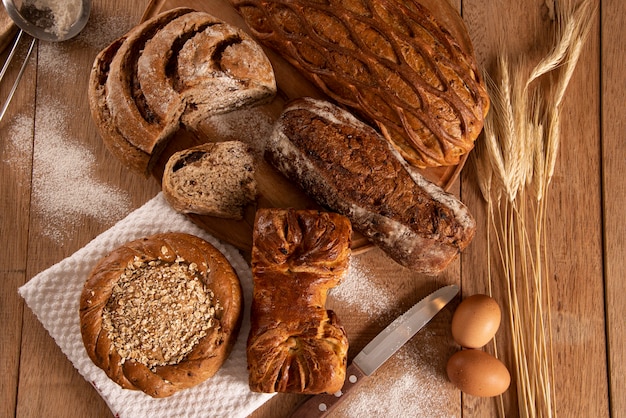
x=174, y=69
x=206, y=356
x=295, y=344
x=128, y=133
x=346, y=166
x=406, y=67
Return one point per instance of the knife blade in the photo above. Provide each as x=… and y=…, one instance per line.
x=379, y=350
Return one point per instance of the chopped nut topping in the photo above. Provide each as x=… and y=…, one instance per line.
x=158, y=311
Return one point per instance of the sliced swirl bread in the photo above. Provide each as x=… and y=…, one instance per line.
x=177, y=68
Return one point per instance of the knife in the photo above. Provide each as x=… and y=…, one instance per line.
x=379, y=350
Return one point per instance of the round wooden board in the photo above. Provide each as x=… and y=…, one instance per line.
x=275, y=190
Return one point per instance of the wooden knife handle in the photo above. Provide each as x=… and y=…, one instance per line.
x=320, y=405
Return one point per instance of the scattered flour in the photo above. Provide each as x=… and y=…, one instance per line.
x=420, y=387
x=359, y=292
x=252, y=126
x=54, y=58
x=55, y=63
x=420, y=390
x=64, y=188
x=64, y=13
x=18, y=135
x=102, y=29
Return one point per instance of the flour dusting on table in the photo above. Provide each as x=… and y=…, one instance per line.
x=65, y=189
x=360, y=293
x=102, y=29
x=421, y=389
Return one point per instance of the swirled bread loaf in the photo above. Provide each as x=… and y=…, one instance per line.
x=161, y=314
x=295, y=344
x=406, y=67
x=349, y=168
x=179, y=67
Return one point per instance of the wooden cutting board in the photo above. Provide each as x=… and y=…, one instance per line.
x=275, y=190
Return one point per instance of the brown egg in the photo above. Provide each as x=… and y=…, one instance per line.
x=475, y=321
x=478, y=373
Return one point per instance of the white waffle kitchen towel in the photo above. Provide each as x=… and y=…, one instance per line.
x=53, y=295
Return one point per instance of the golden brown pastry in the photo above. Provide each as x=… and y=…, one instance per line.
x=161, y=314
x=406, y=67
x=347, y=167
x=179, y=67
x=295, y=344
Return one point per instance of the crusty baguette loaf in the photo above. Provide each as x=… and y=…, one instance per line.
x=146, y=343
x=215, y=179
x=348, y=167
x=295, y=344
x=407, y=67
x=179, y=67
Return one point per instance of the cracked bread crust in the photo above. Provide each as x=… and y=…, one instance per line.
x=349, y=168
x=163, y=256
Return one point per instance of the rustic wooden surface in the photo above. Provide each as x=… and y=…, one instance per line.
x=585, y=221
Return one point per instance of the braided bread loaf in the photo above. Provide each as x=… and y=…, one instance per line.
x=295, y=344
x=406, y=67
x=179, y=67
x=161, y=314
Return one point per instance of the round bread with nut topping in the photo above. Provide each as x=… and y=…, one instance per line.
x=161, y=313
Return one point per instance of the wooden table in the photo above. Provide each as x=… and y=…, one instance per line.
x=585, y=221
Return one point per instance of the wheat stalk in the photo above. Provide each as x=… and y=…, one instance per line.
x=515, y=163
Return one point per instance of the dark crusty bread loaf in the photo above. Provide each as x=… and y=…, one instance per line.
x=215, y=179
x=162, y=313
x=348, y=167
x=178, y=67
x=295, y=344
x=407, y=67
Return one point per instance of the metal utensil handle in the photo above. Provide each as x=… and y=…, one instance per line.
x=320, y=405
x=19, y=75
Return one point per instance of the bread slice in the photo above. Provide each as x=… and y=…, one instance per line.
x=349, y=168
x=215, y=179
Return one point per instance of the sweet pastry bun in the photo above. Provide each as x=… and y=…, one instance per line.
x=295, y=344
x=161, y=314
